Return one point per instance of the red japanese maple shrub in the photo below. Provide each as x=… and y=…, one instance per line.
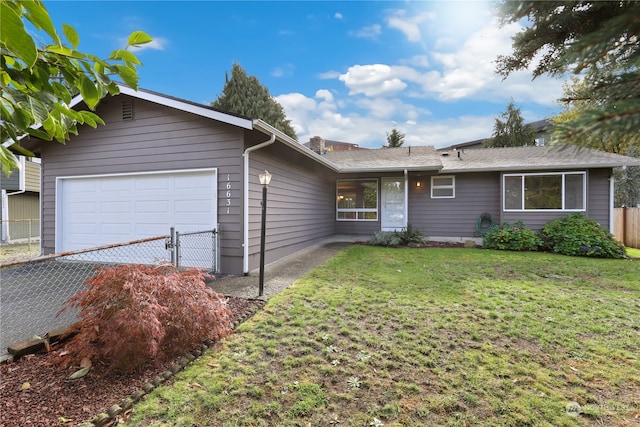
x=134, y=314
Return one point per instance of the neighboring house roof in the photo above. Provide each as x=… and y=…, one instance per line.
x=539, y=126
x=331, y=145
x=478, y=143
x=490, y=159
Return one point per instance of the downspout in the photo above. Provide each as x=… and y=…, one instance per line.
x=4, y=215
x=406, y=198
x=245, y=220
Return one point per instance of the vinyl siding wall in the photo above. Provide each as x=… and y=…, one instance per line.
x=11, y=182
x=32, y=176
x=24, y=215
x=597, y=182
x=475, y=193
x=300, y=203
x=158, y=139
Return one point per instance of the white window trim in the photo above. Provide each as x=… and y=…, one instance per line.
x=358, y=210
x=563, y=174
x=443, y=187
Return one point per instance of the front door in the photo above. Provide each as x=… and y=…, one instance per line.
x=393, y=204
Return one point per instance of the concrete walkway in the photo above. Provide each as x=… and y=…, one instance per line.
x=282, y=273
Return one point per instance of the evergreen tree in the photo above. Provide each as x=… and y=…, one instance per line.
x=394, y=139
x=627, y=179
x=595, y=39
x=245, y=95
x=512, y=132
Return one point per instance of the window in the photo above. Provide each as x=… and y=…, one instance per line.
x=443, y=187
x=357, y=200
x=561, y=191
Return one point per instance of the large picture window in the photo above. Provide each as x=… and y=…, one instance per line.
x=357, y=200
x=562, y=191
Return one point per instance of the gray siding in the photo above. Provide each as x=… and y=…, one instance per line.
x=597, y=204
x=475, y=193
x=159, y=139
x=300, y=202
x=11, y=182
x=598, y=196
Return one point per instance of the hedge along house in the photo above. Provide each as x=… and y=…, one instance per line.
x=161, y=162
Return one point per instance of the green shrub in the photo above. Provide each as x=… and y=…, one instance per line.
x=408, y=236
x=384, y=238
x=512, y=237
x=578, y=235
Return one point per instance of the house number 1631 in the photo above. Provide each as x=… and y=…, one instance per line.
x=228, y=194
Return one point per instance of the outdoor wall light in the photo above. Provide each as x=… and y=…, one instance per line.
x=418, y=184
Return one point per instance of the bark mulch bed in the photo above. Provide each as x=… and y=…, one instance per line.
x=35, y=391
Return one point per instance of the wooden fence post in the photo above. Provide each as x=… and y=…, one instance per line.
x=624, y=225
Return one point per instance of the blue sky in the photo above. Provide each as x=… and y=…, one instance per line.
x=348, y=71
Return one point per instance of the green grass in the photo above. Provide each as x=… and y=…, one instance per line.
x=18, y=251
x=421, y=337
x=632, y=252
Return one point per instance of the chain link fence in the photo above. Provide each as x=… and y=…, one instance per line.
x=19, y=238
x=32, y=292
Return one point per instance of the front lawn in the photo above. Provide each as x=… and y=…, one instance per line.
x=411, y=337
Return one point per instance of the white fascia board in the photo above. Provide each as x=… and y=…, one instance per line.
x=530, y=168
x=391, y=169
x=187, y=107
x=267, y=129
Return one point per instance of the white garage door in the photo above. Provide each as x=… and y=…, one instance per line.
x=107, y=209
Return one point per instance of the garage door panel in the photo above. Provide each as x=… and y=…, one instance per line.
x=100, y=210
x=116, y=207
x=151, y=206
x=160, y=184
x=115, y=185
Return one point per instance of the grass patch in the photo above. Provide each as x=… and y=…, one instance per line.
x=632, y=252
x=380, y=336
x=18, y=251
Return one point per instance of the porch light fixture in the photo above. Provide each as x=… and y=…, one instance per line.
x=418, y=184
x=265, y=180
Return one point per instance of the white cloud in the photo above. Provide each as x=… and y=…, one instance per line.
x=421, y=61
x=338, y=15
x=469, y=72
x=325, y=95
x=372, y=80
x=329, y=75
x=409, y=25
x=371, y=32
x=285, y=70
x=368, y=127
x=409, y=93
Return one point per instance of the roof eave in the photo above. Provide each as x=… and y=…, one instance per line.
x=533, y=168
x=267, y=129
x=183, y=106
x=390, y=169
